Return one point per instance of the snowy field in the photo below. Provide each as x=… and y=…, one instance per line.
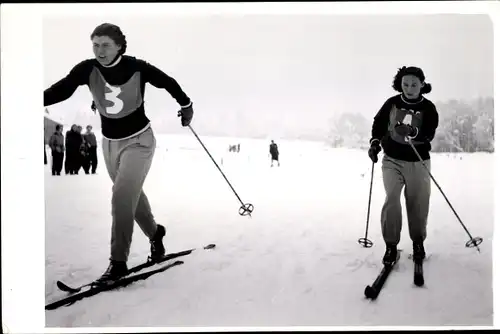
x=295, y=262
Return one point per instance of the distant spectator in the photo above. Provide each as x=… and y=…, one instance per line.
x=74, y=141
x=67, y=161
x=81, y=149
x=91, y=147
x=56, y=144
x=273, y=151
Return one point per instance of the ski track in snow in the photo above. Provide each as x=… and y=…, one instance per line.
x=295, y=262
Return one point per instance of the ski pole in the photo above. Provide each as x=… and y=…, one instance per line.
x=365, y=242
x=473, y=242
x=245, y=209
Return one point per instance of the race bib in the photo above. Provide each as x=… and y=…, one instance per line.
x=405, y=116
x=115, y=101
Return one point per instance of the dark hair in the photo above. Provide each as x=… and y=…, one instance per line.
x=412, y=70
x=58, y=127
x=112, y=31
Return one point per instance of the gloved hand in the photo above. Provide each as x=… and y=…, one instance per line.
x=186, y=115
x=374, y=151
x=405, y=130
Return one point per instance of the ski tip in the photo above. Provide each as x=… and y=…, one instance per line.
x=63, y=286
x=418, y=281
x=209, y=246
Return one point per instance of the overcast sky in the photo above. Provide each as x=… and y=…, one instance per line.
x=283, y=74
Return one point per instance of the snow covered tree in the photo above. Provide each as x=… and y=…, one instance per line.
x=349, y=130
x=465, y=126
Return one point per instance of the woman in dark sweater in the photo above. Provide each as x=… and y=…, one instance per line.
x=404, y=118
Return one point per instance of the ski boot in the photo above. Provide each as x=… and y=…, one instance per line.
x=391, y=254
x=115, y=271
x=418, y=251
x=157, y=248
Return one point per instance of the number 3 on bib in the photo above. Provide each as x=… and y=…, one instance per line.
x=112, y=96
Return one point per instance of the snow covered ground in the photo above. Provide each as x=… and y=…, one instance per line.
x=295, y=262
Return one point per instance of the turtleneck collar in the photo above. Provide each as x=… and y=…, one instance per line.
x=114, y=62
x=412, y=101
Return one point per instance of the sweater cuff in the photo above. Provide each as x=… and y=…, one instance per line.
x=188, y=105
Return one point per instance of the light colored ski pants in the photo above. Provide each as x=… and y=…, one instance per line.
x=128, y=162
x=417, y=182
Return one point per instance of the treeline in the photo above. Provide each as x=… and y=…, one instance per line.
x=464, y=126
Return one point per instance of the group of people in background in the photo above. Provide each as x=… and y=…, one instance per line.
x=273, y=152
x=80, y=150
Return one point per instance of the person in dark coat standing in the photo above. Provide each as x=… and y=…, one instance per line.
x=56, y=143
x=273, y=150
x=67, y=161
x=81, y=154
x=74, y=140
x=91, y=145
